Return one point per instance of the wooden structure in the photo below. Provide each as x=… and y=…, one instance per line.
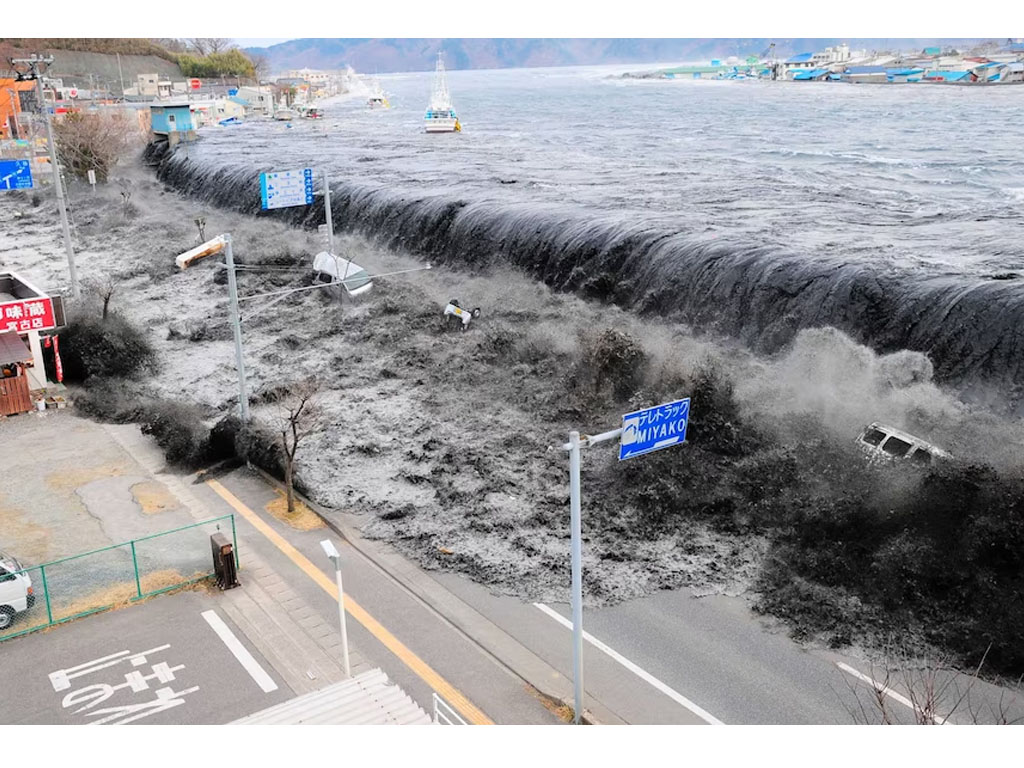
x=14, y=395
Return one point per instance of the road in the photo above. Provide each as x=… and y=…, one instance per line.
x=669, y=658
x=175, y=660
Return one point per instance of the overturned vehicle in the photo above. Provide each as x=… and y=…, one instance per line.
x=882, y=442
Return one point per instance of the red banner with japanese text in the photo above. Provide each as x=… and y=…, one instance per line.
x=27, y=315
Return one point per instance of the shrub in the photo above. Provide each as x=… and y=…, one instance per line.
x=114, y=347
x=179, y=430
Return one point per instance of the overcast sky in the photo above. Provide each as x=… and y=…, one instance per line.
x=259, y=42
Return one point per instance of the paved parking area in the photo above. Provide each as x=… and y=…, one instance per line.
x=176, y=659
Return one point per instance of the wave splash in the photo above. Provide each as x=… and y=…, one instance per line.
x=969, y=327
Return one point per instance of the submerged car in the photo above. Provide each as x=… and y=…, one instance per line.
x=337, y=269
x=880, y=441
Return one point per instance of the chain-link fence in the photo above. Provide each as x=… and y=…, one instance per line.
x=34, y=597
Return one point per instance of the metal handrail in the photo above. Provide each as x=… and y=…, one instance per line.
x=444, y=714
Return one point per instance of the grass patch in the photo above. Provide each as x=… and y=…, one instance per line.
x=123, y=593
x=302, y=519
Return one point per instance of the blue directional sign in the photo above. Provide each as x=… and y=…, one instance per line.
x=282, y=189
x=654, y=428
x=15, y=174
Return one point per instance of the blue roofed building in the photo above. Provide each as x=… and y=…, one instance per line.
x=173, y=122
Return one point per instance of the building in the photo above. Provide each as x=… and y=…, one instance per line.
x=173, y=121
x=260, y=101
x=794, y=64
x=311, y=76
x=13, y=103
x=25, y=311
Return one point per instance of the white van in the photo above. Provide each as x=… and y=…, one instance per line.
x=15, y=590
x=881, y=441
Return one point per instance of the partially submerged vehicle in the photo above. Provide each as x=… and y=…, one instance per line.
x=880, y=441
x=329, y=268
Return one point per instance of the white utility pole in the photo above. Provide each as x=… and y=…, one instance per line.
x=34, y=61
x=332, y=553
x=236, y=324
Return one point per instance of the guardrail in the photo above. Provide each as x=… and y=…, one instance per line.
x=44, y=595
x=444, y=714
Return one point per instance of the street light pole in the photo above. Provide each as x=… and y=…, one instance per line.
x=575, y=528
x=34, y=61
x=333, y=554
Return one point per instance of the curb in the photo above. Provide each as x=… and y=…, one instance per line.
x=535, y=681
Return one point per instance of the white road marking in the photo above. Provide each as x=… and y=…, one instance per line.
x=245, y=658
x=885, y=690
x=641, y=673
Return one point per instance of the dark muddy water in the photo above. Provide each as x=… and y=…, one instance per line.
x=752, y=209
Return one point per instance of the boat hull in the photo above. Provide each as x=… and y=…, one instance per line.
x=441, y=125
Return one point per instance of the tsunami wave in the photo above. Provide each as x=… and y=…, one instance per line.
x=968, y=326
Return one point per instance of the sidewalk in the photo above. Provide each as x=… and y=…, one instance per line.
x=303, y=648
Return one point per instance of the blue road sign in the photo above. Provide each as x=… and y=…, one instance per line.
x=282, y=189
x=232, y=91
x=654, y=428
x=15, y=174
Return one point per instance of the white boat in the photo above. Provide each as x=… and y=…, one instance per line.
x=284, y=113
x=377, y=100
x=441, y=117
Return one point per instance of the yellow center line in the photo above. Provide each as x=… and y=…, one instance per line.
x=357, y=612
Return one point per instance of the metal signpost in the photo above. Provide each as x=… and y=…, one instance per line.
x=643, y=431
x=335, y=556
x=15, y=174
x=283, y=189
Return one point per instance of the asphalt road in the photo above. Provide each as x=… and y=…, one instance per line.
x=501, y=695
x=158, y=662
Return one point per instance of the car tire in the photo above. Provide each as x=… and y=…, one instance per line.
x=6, y=617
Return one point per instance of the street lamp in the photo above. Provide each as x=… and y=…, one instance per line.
x=332, y=553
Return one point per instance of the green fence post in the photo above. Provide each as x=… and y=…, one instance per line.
x=46, y=594
x=234, y=541
x=135, y=562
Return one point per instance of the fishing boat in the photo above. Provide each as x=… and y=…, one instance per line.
x=441, y=116
x=377, y=98
x=284, y=113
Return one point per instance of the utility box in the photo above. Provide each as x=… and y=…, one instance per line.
x=224, y=561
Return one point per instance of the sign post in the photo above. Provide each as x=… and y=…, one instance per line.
x=15, y=174
x=643, y=431
x=283, y=189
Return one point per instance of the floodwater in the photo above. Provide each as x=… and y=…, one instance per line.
x=750, y=208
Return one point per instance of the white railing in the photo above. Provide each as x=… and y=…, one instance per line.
x=444, y=714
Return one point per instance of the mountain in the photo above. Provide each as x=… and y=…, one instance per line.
x=416, y=54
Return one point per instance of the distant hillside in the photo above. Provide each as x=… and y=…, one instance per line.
x=414, y=54
x=126, y=46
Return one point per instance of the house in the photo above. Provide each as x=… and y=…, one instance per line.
x=260, y=101
x=12, y=104
x=173, y=121
x=796, y=63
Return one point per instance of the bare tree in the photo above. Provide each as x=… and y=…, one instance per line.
x=933, y=691
x=207, y=45
x=95, y=141
x=260, y=66
x=301, y=416
x=104, y=286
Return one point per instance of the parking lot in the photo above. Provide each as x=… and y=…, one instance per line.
x=176, y=659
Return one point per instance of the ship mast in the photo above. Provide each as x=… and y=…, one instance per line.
x=440, y=99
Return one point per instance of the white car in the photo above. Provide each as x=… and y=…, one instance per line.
x=337, y=269
x=880, y=441
x=15, y=590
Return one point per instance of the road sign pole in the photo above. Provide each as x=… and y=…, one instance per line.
x=577, y=574
x=236, y=323
x=330, y=235
x=341, y=616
